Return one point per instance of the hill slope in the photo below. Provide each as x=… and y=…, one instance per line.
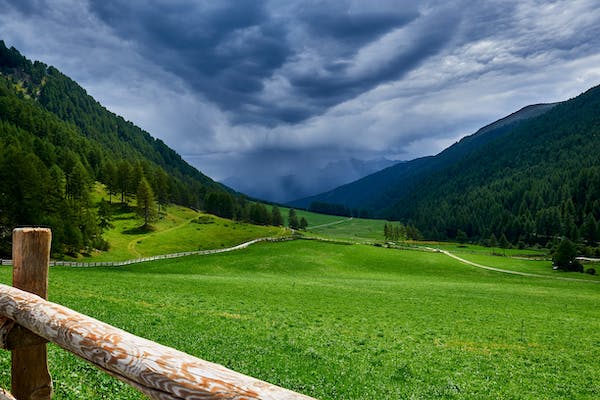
x=539, y=180
x=56, y=140
x=530, y=177
x=377, y=191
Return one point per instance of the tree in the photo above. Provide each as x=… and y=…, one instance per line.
x=589, y=230
x=293, y=219
x=303, y=223
x=461, y=236
x=146, y=205
x=504, y=243
x=220, y=204
x=104, y=215
x=276, y=218
x=123, y=179
x=493, y=241
x=564, y=256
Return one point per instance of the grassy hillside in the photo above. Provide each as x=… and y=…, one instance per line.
x=181, y=229
x=344, y=322
x=177, y=229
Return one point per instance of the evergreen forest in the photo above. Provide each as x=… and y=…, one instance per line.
x=56, y=142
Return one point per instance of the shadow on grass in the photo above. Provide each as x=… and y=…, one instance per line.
x=139, y=230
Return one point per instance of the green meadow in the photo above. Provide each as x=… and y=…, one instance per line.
x=345, y=322
x=178, y=229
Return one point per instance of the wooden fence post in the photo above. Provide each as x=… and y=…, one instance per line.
x=30, y=378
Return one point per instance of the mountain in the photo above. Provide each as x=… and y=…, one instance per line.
x=529, y=178
x=56, y=141
x=538, y=181
x=282, y=188
x=383, y=188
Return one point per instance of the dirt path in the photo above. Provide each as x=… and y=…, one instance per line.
x=331, y=223
x=506, y=271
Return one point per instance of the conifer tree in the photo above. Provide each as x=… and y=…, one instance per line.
x=146, y=205
x=303, y=223
x=276, y=218
x=293, y=219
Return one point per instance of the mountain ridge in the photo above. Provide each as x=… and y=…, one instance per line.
x=528, y=179
x=371, y=192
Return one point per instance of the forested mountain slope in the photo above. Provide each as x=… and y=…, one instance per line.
x=538, y=181
x=531, y=177
x=381, y=189
x=56, y=140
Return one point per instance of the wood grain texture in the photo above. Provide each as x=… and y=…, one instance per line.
x=13, y=336
x=30, y=378
x=158, y=371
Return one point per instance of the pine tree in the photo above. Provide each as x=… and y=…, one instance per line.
x=276, y=218
x=146, y=205
x=303, y=223
x=504, y=242
x=293, y=222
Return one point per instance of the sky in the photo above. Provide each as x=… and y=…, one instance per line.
x=271, y=93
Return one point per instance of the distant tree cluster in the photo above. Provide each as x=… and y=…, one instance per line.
x=226, y=205
x=399, y=232
x=294, y=222
x=338, y=209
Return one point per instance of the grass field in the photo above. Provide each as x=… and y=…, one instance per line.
x=345, y=322
x=341, y=228
x=179, y=229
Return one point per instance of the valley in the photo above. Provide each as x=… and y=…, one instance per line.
x=446, y=276
x=345, y=321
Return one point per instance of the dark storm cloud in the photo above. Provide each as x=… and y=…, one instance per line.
x=224, y=50
x=26, y=7
x=229, y=51
x=340, y=83
x=355, y=28
x=249, y=89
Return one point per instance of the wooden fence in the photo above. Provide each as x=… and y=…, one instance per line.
x=28, y=321
x=82, y=264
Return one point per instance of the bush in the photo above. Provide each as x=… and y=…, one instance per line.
x=100, y=244
x=591, y=271
x=575, y=266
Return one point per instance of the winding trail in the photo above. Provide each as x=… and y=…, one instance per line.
x=507, y=271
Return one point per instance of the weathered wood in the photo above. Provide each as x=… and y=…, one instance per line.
x=30, y=378
x=4, y=395
x=13, y=335
x=156, y=370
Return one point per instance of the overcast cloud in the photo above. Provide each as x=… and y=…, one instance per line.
x=264, y=89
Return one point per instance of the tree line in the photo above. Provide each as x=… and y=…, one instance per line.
x=396, y=232
x=338, y=209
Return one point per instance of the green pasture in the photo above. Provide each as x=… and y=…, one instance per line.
x=178, y=229
x=341, y=228
x=540, y=267
x=345, y=322
x=461, y=249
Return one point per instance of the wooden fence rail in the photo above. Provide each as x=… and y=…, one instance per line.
x=27, y=321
